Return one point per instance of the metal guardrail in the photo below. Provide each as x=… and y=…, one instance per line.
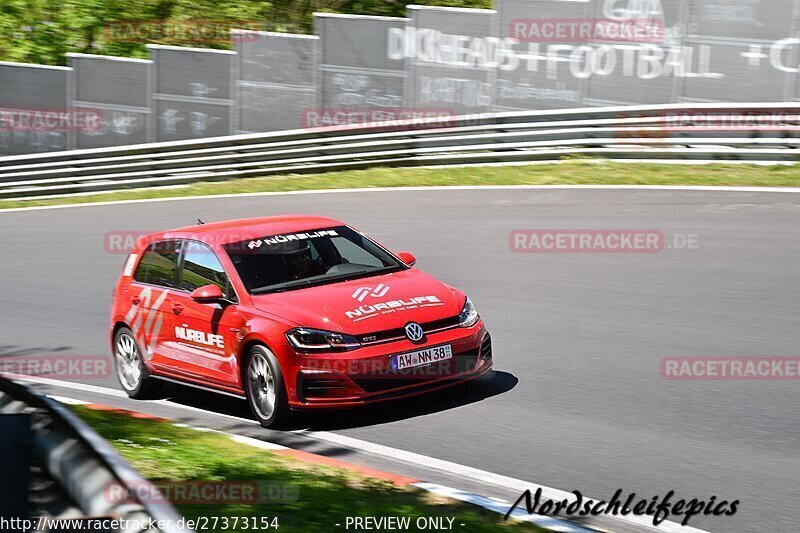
x=661, y=132
x=83, y=464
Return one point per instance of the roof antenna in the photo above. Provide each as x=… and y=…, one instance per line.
x=200, y=222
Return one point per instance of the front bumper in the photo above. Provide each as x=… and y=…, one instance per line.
x=366, y=375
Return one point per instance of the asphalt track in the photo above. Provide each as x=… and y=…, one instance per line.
x=577, y=401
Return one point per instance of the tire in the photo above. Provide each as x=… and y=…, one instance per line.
x=265, y=388
x=131, y=372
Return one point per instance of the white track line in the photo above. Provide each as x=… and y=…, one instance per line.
x=501, y=507
x=116, y=393
x=67, y=401
x=463, y=471
x=401, y=189
x=494, y=505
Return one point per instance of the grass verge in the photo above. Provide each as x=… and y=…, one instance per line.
x=579, y=172
x=324, y=496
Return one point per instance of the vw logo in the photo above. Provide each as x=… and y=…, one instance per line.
x=414, y=331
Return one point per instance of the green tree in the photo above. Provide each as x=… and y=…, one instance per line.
x=43, y=31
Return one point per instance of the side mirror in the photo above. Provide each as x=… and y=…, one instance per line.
x=207, y=294
x=407, y=258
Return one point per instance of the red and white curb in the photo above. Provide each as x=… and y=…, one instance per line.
x=492, y=504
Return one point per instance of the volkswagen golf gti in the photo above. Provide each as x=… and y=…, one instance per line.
x=290, y=313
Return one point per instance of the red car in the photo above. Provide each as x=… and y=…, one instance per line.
x=289, y=312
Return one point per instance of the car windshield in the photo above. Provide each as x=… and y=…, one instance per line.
x=290, y=261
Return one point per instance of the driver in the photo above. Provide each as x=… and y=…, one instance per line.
x=299, y=262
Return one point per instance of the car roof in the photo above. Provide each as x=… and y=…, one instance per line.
x=230, y=231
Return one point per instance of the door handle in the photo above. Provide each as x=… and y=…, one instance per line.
x=177, y=308
x=136, y=300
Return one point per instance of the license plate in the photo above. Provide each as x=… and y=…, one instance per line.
x=427, y=356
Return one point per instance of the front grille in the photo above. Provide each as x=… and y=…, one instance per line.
x=392, y=379
x=427, y=327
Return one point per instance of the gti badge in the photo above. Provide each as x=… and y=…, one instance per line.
x=414, y=331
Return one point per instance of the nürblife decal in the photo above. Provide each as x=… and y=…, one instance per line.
x=365, y=311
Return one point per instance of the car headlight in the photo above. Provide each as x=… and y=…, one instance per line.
x=468, y=316
x=316, y=340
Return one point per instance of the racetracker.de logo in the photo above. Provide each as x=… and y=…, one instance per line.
x=586, y=241
x=585, y=30
x=201, y=492
x=57, y=365
x=54, y=120
x=182, y=31
x=388, y=117
x=726, y=368
x=123, y=242
x=755, y=120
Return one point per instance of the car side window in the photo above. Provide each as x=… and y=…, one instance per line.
x=159, y=264
x=201, y=267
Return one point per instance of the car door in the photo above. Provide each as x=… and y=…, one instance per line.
x=151, y=292
x=206, y=334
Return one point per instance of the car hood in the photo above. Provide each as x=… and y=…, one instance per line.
x=366, y=305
